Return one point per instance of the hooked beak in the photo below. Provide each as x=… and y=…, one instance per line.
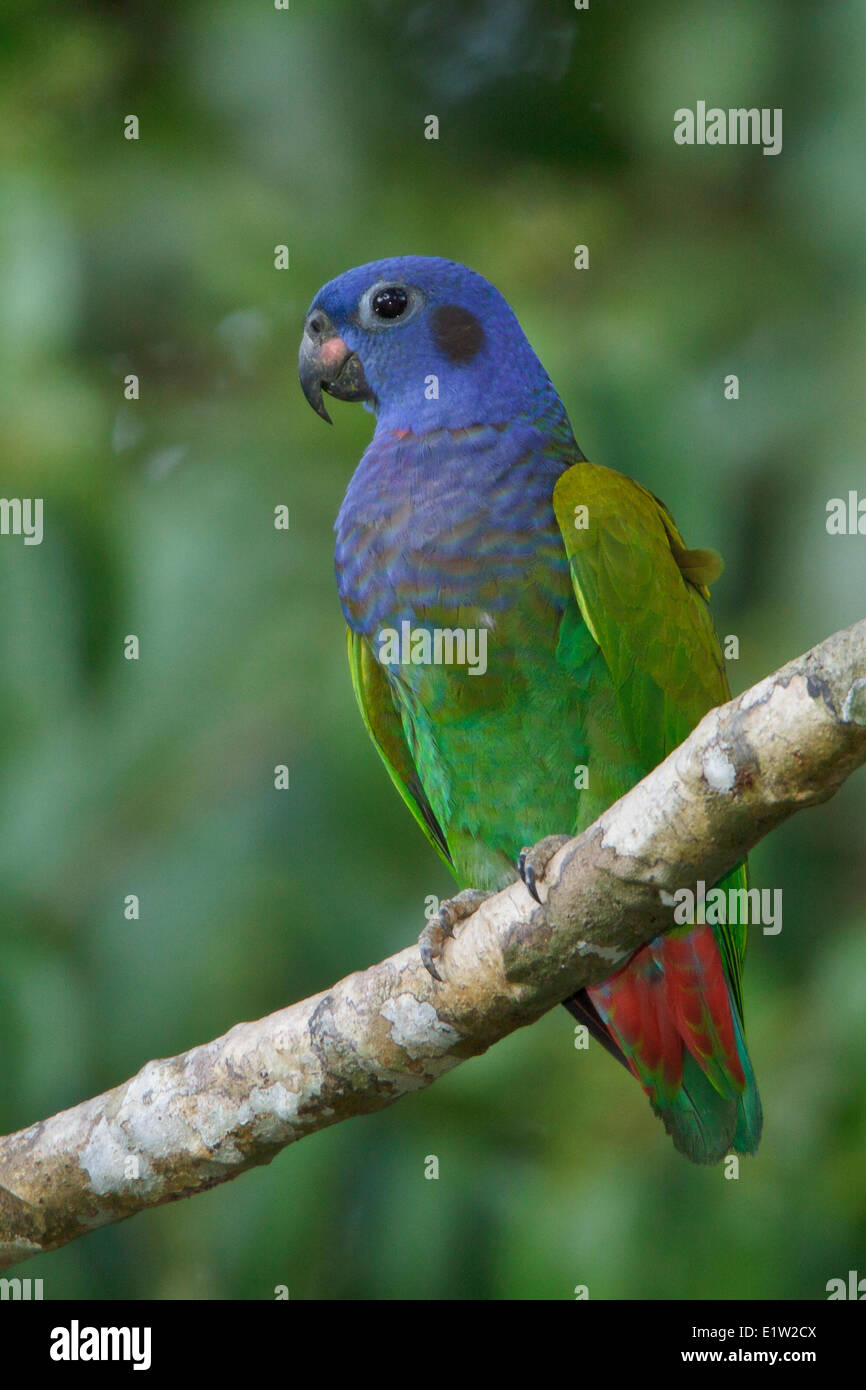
x=325, y=363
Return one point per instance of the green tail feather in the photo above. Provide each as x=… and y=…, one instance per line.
x=706, y=1125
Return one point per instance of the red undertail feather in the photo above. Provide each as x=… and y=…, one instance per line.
x=671, y=1012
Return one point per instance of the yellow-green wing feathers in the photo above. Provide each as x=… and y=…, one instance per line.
x=385, y=728
x=643, y=594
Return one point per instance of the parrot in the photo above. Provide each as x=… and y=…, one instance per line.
x=514, y=612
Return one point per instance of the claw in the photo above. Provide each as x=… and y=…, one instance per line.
x=527, y=873
x=532, y=861
x=451, y=912
x=427, y=962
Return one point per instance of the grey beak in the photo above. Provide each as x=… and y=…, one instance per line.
x=325, y=363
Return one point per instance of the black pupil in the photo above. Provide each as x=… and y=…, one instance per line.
x=390, y=303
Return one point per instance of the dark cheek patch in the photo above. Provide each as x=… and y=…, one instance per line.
x=457, y=333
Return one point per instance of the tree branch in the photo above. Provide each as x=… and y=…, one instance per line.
x=187, y=1123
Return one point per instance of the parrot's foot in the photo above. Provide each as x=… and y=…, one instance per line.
x=451, y=913
x=532, y=861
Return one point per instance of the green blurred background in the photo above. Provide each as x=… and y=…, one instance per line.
x=155, y=777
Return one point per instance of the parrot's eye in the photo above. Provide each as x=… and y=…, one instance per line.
x=390, y=302
x=385, y=305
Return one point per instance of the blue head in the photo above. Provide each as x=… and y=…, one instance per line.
x=426, y=343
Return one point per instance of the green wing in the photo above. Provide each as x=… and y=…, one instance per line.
x=644, y=597
x=385, y=728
